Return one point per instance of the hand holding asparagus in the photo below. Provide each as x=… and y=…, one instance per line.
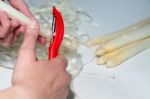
x=23, y=19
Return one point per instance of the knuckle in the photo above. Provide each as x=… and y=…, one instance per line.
x=63, y=61
x=14, y=23
x=59, y=65
x=67, y=79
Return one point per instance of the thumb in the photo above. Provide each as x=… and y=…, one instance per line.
x=27, y=49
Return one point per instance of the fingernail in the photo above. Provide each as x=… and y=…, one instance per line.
x=33, y=24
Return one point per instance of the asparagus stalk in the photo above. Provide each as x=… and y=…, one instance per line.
x=103, y=39
x=126, y=52
x=124, y=40
x=103, y=59
x=23, y=19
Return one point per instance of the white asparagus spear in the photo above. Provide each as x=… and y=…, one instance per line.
x=23, y=19
x=128, y=51
x=103, y=39
x=103, y=59
x=124, y=39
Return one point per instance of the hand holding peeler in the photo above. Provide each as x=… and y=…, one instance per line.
x=57, y=34
x=57, y=27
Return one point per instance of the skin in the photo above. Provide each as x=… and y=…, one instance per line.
x=10, y=29
x=37, y=79
x=32, y=78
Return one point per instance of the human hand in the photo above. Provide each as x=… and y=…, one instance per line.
x=11, y=29
x=33, y=79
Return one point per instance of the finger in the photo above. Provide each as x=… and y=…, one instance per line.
x=41, y=40
x=8, y=40
x=20, y=30
x=21, y=6
x=14, y=25
x=5, y=24
x=11, y=37
x=27, y=49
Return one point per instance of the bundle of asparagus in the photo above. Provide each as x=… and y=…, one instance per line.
x=119, y=46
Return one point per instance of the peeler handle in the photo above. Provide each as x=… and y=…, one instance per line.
x=59, y=31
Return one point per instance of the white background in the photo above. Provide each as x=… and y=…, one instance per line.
x=132, y=78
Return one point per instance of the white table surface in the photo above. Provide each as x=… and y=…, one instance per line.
x=132, y=78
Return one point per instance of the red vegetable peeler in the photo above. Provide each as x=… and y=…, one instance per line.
x=57, y=33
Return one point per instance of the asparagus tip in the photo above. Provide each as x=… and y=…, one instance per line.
x=100, y=51
x=111, y=63
x=101, y=60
